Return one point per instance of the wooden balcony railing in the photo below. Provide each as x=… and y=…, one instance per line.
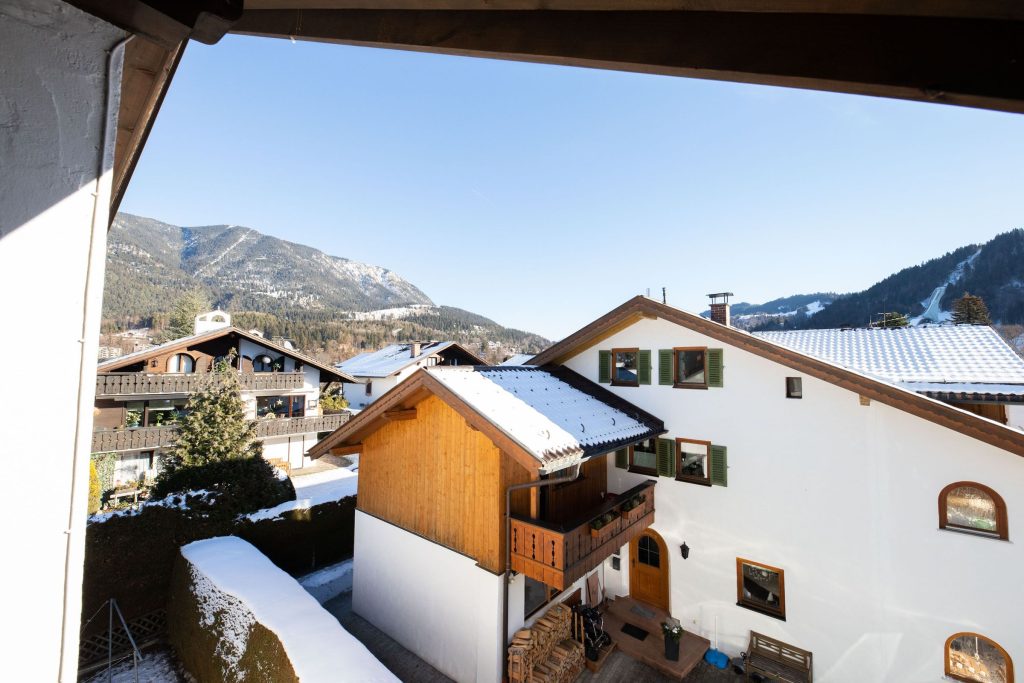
x=141, y=383
x=138, y=439
x=558, y=554
x=151, y=438
x=300, y=425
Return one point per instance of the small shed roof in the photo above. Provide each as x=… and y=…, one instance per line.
x=553, y=415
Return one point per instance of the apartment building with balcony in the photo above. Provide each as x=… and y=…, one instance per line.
x=140, y=396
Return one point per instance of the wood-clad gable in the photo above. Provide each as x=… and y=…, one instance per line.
x=440, y=478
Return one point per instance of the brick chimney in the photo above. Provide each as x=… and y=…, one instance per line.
x=720, y=307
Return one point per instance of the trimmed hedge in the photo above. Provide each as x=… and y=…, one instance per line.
x=199, y=644
x=131, y=557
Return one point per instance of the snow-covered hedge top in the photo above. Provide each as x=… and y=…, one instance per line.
x=318, y=648
x=312, y=490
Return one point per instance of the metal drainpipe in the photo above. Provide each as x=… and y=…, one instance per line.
x=508, y=547
x=87, y=366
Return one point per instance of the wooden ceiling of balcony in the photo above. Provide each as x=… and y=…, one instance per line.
x=961, y=52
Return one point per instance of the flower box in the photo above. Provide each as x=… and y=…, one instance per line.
x=633, y=516
x=609, y=526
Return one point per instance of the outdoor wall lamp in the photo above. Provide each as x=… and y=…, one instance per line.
x=685, y=550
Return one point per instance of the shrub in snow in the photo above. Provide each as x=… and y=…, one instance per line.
x=243, y=485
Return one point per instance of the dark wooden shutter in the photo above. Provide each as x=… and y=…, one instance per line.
x=622, y=458
x=719, y=466
x=666, y=458
x=643, y=371
x=715, y=368
x=665, y=366
x=604, y=367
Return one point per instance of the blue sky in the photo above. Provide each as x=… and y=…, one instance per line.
x=543, y=196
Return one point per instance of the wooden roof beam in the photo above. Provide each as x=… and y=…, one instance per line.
x=952, y=60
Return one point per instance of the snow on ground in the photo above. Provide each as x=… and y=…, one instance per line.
x=392, y=313
x=317, y=646
x=157, y=666
x=314, y=489
x=330, y=582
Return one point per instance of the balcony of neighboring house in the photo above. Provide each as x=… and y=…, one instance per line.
x=558, y=553
x=283, y=426
x=133, y=439
x=110, y=384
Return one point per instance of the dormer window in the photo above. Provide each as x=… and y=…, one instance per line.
x=181, y=362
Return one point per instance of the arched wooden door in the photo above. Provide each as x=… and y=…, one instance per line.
x=648, y=569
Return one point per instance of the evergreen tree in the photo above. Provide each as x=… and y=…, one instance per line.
x=970, y=310
x=214, y=427
x=183, y=315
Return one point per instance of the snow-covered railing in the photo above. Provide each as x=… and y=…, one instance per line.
x=234, y=616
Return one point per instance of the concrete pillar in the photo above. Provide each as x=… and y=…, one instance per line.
x=60, y=71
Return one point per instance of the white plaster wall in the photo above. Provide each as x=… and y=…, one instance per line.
x=53, y=110
x=841, y=496
x=437, y=603
x=357, y=396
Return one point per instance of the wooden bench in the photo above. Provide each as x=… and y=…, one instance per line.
x=777, y=661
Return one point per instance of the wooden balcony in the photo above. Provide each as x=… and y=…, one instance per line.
x=151, y=438
x=558, y=554
x=138, y=439
x=143, y=384
x=283, y=426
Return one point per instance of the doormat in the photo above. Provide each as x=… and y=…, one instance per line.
x=634, y=631
x=643, y=611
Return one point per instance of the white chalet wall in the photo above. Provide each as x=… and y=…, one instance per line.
x=434, y=601
x=55, y=176
x=841, y=496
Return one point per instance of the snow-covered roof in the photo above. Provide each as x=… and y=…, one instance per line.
x=317, y=646
x=965, y=354
x=393, y=358
x=556, y=422
x=184, y=342
x=518, y=359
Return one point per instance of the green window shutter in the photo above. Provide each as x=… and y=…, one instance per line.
x=666, y=458
x=622, y=458
x=604, y=367
x=643, y=374
x=719, y=466
x=665, y=366
x=715, y=368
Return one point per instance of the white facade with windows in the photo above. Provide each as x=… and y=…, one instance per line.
x=839, y=493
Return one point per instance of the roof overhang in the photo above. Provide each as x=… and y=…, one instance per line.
x=927, y=408
x=327, y=373
x=412, y=391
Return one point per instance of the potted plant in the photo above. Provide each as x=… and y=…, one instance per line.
x=673, y=631
x=604, y=526
x=132, y=418
x=633, y=509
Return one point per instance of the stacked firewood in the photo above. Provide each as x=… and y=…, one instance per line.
x=546, y=653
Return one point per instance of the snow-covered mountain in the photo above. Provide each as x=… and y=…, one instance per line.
x=925, y=293
x=280, y=287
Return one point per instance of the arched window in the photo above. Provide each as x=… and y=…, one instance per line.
x=181, y=362
x=974, y=508
x=974, y=658
x=262, y=364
